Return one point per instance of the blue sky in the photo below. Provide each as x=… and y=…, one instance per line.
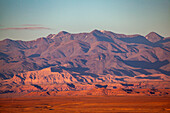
x=31, y=19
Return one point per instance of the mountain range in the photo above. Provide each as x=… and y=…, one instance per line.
x=96, y=57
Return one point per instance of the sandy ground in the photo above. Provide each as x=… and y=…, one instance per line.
x=87, y=104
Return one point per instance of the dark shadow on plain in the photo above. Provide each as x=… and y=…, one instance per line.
x=71, y=85
x=101, y=86
x=127, y=84
x=149, y=77
x=7, y=91
x=120, y=79
x=37, y=86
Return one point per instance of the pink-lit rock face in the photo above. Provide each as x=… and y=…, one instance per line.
x=100, y=51
x=66, y=61
x=154, y=37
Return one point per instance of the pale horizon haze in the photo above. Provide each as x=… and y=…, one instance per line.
x=32, y=19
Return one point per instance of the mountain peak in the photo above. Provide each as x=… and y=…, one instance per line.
x=62, y=33
x=98, y=31
x=7, y=40
x=153, y=37
x=103, y=31
x=95, y=30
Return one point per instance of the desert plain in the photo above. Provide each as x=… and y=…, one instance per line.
x=86, y=104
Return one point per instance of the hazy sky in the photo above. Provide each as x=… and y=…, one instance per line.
x=31, y=19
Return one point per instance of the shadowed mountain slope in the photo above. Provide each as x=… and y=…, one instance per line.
x=99, y=52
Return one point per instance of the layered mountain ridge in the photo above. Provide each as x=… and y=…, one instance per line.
x=104, y=50
x=95, y=57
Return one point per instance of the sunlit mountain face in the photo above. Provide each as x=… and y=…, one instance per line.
x=98, y=52
x=113, y=60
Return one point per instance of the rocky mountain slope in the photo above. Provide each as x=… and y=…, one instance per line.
x=97, y=52
x=98, y=56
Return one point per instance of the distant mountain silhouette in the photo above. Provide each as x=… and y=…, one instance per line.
x=89, y=54
x=96, y=63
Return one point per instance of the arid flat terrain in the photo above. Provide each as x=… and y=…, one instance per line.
x=86, y=104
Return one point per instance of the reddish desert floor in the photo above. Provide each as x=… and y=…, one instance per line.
x=87, y=104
